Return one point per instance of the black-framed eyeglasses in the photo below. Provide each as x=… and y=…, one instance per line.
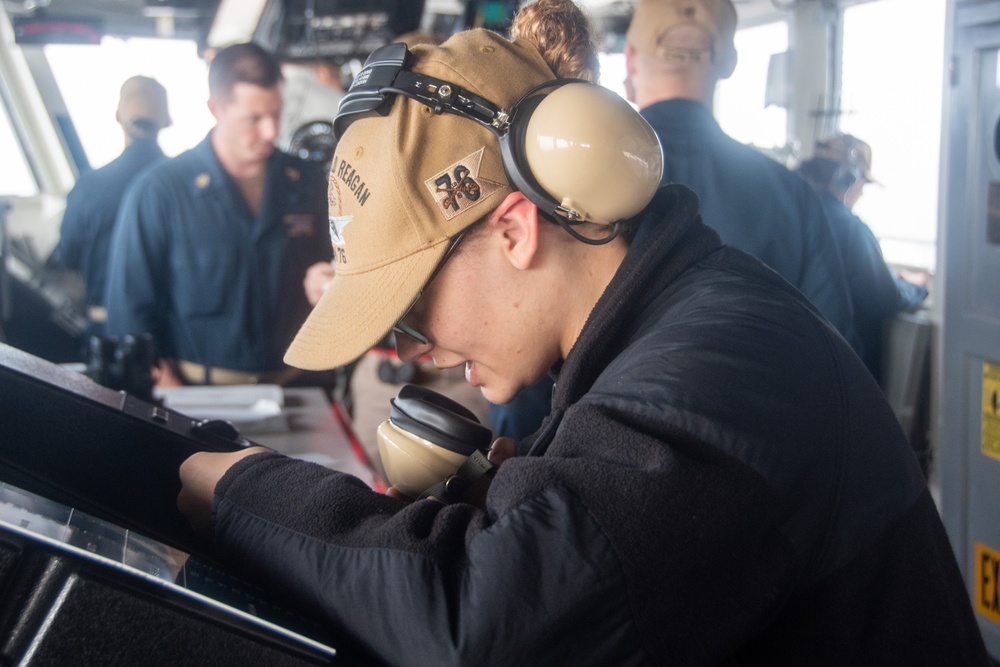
x=402, y=327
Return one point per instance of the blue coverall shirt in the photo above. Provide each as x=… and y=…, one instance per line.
x=876, y=293
x=755, y=204
x=91, y=210
x=212, y=283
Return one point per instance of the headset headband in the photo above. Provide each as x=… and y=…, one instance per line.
x=387, y=73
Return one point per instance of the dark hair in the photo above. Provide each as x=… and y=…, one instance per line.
x=242, y=63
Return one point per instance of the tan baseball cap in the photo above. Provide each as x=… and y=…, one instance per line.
x=402, y=186
x=142, y=107
x=849, y=150
x=655, y=18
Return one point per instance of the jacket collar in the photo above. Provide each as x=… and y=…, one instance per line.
x=670, y=239
x=211, y=178
x=680, y=113
x=143, y=147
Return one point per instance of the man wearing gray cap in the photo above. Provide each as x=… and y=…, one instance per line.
x=676, y=52
x=92, y=204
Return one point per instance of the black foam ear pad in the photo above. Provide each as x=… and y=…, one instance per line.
x=438, y=419
x=515, y=161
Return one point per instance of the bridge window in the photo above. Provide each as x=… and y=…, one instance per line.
x=89, y=79
x=16, y=178
x=891, y=97
x=740, y=99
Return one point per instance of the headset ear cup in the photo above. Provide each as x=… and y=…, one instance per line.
x=438, y=419
x=515, y=161
x=589, y=151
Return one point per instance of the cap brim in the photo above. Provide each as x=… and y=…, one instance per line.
x=358, y=310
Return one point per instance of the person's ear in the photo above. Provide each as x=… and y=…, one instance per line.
x=727, y=65
x=215, y=107
x=629, y=61
x=515, y=222
x=629, y=73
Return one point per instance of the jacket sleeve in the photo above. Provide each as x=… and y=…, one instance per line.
x=823, y=280
x=137, y=293
x=74, y=233
x=875, y=293
x=598, y=552
x=426, y=583
x=910, y=295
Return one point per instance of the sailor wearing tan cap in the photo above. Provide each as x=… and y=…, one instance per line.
x=711, y=484
x=676, y=52
x=92, y=205
x=839, y=170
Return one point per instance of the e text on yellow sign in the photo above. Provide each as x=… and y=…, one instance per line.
x=987, y=598
x=991, y=409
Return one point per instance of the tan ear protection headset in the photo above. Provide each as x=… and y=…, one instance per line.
x=434, y=446
x=435, y=417
x=580, y=152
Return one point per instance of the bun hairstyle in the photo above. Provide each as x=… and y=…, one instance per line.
x=561, y=33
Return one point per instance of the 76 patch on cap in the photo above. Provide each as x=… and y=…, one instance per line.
x=459, y=187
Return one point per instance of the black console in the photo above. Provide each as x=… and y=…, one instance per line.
x=76, y=590
x=97, y=565
x=104, y=452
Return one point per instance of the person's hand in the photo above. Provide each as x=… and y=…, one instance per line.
x=199, y=475
x=915, y=276
x=501, y=450
x=318, y=277
x=164, y=376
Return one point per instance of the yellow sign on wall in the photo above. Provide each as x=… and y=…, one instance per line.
x=991, y=409
x=988, y=582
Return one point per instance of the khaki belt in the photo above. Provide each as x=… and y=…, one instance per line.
x=198, y=374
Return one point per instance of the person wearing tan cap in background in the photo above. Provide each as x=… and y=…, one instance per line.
x=838, y=170
x=720, y=481
x=676, y=51
x=92, y=205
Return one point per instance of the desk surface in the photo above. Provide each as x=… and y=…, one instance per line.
x=316, y=434
x=309, y=426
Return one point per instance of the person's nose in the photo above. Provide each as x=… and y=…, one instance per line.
x=269, y=128
x=409, y=349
